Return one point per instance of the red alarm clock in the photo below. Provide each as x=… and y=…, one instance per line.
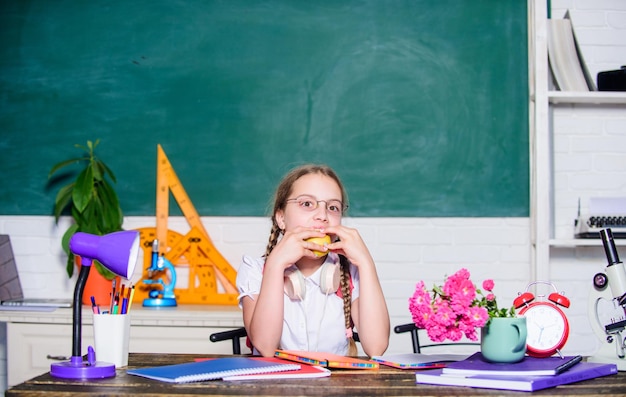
x=547, y=325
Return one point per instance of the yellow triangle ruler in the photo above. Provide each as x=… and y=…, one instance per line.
x=193, y=252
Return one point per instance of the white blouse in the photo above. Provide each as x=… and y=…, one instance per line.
x=314, y=324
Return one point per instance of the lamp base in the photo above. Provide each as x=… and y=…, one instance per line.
x=77, y=368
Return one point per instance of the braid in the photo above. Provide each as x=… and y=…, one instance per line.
x=347, y=302
x=274, y=234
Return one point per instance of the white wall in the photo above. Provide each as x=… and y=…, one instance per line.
x=411, y=249
x=406, y=250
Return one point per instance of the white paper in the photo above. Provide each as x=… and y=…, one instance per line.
x=607, y=206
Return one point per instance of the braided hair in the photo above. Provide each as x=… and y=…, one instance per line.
x=283, y=192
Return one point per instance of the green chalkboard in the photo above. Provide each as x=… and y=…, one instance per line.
x=421, y=106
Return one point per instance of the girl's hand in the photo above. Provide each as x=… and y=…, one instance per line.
x=349, y=244
x=293, y=246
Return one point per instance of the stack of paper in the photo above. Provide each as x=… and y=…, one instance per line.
x=528, y=375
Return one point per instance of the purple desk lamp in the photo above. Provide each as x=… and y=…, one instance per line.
x=118, y=252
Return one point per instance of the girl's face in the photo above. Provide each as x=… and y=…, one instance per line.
x=312, y=190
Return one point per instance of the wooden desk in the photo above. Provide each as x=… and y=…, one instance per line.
x=384, y=382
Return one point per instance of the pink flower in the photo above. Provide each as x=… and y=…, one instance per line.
x=454, y=310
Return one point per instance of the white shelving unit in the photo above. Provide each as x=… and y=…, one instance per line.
x=542, y=102
x=572, y=243
x=589, y=98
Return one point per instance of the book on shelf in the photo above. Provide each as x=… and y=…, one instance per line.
x=566, y=61
x=418, y=360
x=211, y=369
x=324, y=359
x=579, y=372
x=476, y=364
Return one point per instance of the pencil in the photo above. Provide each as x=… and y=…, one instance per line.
x=112, y=297
x=130, y=299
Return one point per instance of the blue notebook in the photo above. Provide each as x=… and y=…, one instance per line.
x=579, y=372
x=211, y=369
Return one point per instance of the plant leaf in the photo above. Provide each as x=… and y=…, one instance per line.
x=65, y=163
x=96, y=165
x=113, y=214
x=83, y=190
x=65, y=244
x=63, y=199
x=106, y=273
x=107, y=171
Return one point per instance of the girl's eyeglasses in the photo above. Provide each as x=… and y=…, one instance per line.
x=310, y=203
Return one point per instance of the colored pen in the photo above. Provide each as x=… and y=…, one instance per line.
x=94, y=308
x=130, y=299
x=112, y=297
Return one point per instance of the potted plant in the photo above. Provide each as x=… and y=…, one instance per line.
x=458, y=309
x=92, y=202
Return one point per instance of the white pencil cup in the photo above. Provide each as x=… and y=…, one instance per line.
x=111, y=333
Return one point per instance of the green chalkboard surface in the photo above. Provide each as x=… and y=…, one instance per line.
x=421, y=106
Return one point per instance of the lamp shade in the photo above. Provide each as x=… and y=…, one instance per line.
x=116, y=251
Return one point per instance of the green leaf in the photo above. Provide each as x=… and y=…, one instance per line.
x=65, y=163
x=65, y=244
x=107, y=170
x=106, y=273
x=83, y=190
x=113, y=213
x=98, y=174
x=69, y=266
x=63, y=199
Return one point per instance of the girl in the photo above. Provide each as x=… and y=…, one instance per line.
x=305, y=296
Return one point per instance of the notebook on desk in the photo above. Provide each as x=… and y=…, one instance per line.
x=11, y=294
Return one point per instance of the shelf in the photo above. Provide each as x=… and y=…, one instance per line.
x=591, y=98
x=582, y=242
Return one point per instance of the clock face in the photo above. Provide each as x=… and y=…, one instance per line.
x=547, y=328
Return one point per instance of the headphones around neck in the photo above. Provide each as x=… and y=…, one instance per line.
x=330, y=276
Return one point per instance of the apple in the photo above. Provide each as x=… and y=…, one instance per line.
x=320, y=241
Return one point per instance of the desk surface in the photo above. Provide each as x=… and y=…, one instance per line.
x=384, y=382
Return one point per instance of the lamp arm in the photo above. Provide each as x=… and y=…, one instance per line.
x=77, y=308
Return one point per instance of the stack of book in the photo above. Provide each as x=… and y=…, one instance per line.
x=567, y=64
x=530, y=374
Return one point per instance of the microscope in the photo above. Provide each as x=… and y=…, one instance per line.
x=607, y=307
x=163, y=296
